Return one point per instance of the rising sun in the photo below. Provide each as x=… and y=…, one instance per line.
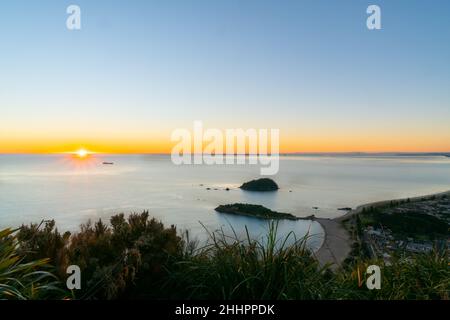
x=81, y=153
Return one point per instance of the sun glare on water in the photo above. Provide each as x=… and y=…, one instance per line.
x=81, y=159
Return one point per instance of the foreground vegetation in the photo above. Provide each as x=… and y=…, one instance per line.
x=22, y=280
x=137, y=257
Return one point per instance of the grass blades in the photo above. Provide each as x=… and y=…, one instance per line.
x=21, y=280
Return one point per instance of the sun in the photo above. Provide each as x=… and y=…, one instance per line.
x=81, y=153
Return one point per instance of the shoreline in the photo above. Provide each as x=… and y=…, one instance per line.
x=337, y=242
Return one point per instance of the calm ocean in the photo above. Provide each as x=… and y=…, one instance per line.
x=36, y=187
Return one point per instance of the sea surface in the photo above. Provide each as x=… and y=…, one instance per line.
x=72, y=191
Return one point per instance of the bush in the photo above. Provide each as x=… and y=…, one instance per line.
x=232, y=269
x=23, y=280
x=425, y=277
x=122, y=261
x=137, y=257
x=37, y=243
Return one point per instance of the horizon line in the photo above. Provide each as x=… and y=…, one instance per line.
x=247, y=154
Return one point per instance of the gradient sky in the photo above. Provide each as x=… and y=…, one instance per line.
x=139, y=69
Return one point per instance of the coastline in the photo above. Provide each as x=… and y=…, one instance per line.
x=337, y=242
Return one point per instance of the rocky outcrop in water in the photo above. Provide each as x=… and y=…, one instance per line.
x=263, y=184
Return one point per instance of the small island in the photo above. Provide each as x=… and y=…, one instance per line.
x=263, y=184
x=254, y=210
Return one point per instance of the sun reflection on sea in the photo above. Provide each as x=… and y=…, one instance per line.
x=82, y=160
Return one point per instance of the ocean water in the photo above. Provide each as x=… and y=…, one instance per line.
x=72, y=191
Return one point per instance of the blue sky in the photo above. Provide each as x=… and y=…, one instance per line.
x=140, y=69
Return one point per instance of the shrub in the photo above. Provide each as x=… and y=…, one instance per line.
x=23, y=280
x=233, y=269
x=124, y=260
x=137, y=257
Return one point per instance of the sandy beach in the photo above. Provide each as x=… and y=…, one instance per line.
x=337, y=243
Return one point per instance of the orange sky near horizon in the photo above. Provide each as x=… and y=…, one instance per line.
x=160, y=143
x=154, y=137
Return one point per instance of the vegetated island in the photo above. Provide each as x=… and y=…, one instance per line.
x=263, y=184
x=254, y=210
